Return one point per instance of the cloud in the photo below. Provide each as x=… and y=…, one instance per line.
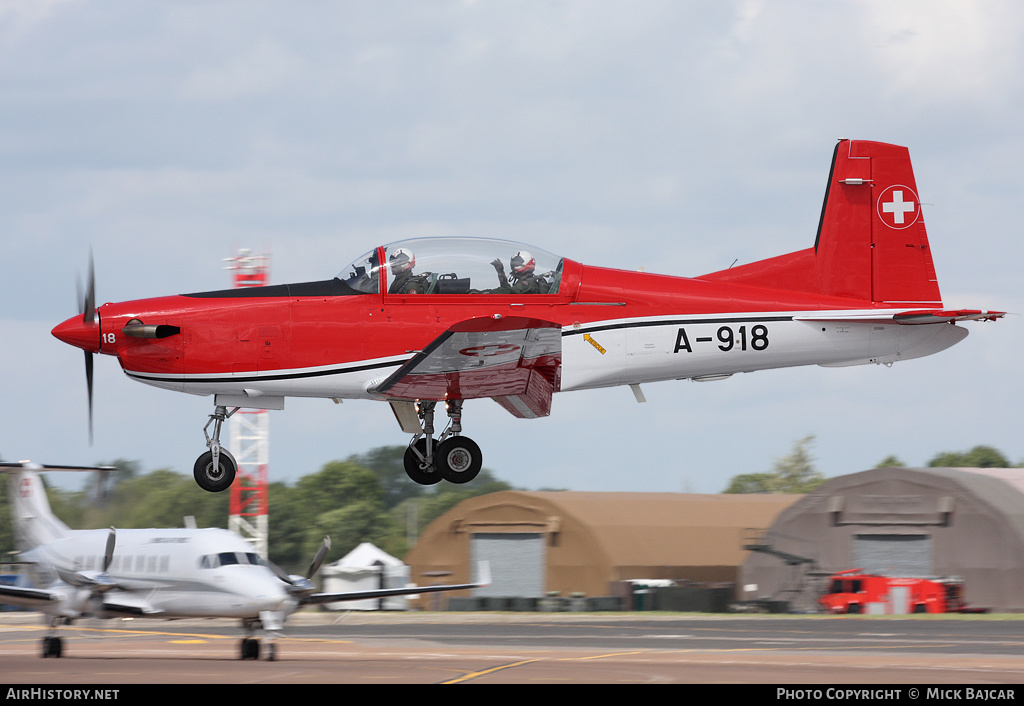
x=259, y=70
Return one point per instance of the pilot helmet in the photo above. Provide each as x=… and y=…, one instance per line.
x=522, y=263
x=401, y=260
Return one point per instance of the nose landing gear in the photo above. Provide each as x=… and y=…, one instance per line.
x=215, y=470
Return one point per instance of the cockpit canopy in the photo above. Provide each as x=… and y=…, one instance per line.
x=455, y=266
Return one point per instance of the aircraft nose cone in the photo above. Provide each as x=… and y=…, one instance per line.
x=79, y=333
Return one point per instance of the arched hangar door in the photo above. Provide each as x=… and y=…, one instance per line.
x=893, y=554
x=517, y=563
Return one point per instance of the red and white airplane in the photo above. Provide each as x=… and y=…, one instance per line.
x=420, y=322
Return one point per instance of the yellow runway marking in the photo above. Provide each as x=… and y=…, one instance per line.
x=492, y=670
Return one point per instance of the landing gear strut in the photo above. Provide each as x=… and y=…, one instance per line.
x=215, y=470
x=249, y=647
x=451, y=457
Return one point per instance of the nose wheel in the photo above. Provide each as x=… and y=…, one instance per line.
x=215, y=470
x=215, y=476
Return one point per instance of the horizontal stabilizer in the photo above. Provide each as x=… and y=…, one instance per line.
x=916, y=317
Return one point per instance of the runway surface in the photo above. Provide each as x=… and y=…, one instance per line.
x=535, y=648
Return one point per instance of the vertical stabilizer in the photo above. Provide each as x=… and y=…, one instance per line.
x=34, y=522
x=871, y=240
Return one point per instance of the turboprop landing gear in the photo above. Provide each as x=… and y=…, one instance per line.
x=53, y=645
x=458, y=459
x=451, y=457
x=250, y=647
x=215, y=470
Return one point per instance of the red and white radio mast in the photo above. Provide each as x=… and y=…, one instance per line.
x=249, y=438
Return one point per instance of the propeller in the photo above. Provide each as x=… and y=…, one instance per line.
x=87, y=303
x=304, y=584
x=319, y=558
x=108, y=552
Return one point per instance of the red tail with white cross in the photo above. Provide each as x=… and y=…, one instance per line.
x=871, y=240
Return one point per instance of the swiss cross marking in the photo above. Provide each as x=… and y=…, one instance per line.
x=898, y=207
x=489, y=350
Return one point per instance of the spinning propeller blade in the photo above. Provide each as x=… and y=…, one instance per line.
x=319, y=558
x=108, y=552
x=87, y=304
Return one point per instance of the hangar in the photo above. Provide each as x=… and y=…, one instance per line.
x=966, y=522
x=581, y=542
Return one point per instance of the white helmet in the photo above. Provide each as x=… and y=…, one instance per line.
x=401, y=260
x=522, y=263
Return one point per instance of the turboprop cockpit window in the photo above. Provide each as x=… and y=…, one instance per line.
x=362, y=274
x=470, y=266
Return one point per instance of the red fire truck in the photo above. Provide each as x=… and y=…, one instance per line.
x=854, y=591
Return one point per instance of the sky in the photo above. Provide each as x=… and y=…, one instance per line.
x=675, y=136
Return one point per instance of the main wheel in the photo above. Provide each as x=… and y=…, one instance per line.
x=52, y=646
x=216, y=479
x=423, y=476
x=459, y=459
x=250, y=648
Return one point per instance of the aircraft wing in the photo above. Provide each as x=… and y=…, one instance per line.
x=515, y=360
x=26, y=465
x=484, y=579
x=32, y=598
x=916, y=317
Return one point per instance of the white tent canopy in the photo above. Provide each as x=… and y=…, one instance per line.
x=366, y=568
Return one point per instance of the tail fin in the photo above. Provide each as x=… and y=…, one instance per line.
x=34, y=522
x=871, y=242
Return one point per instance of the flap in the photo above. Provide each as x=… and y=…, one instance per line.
x=513, y=358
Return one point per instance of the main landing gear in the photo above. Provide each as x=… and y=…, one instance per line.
x=215, y=470
x=53, y=644
x=450, y=457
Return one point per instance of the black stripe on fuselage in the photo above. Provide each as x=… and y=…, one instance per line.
x=675, y=322
x=264, y=378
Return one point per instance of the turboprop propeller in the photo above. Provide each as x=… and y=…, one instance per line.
x=84, y=333
x=304, y=584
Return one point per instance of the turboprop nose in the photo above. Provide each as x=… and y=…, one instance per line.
x=81, y=332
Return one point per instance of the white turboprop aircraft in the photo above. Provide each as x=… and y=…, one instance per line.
x=157, y=573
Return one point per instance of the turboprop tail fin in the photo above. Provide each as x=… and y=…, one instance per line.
x=871, y=243
x=871, y=240
x=34, y=521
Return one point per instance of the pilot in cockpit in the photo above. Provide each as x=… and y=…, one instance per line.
x=403, y=280
x=524, y=280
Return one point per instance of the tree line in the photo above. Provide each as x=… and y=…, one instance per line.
x=365, y=498
x=795, y=472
